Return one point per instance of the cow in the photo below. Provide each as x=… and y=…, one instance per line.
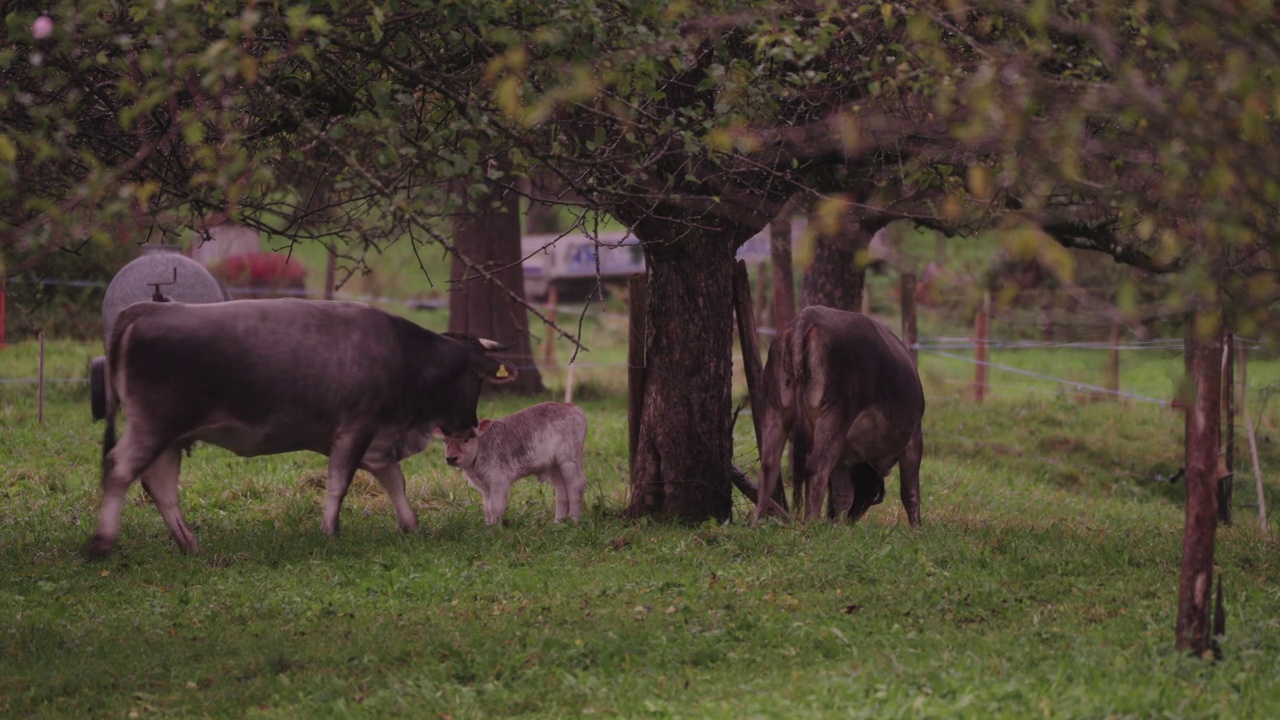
x=544, y=440
x=848, y=389
x=259, y=377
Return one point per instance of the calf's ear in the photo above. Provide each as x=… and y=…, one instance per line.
x=483, y=426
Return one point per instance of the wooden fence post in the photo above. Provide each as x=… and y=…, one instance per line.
x=980, y=349
x=637, y=371
x=549, y=353
x=1226, y=476
x=330, y=270
x=1257, y=474
x=751, y=366
x=1113, y=361
x=908, y=295
x=4, y=293
x=40, y=384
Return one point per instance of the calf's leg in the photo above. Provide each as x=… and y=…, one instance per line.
x=392, y=480
x=555, y=477
x=574, y=481
x=160, y=480
x=495, y=502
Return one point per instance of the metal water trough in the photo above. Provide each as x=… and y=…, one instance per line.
x=161, y=274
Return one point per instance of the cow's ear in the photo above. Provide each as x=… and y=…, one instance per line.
x=483, y=426
x=501, y=371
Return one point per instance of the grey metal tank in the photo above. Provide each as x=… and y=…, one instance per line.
x=162, y=273
x=163, y=268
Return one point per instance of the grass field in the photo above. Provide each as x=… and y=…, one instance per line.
x=1042, y=584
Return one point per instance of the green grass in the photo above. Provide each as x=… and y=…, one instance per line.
x=1043, y=582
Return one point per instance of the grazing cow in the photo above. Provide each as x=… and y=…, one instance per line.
x=544, y=440
x=849, y=390
x=258, y=377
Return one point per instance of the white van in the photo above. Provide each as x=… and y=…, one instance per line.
x=569, y=260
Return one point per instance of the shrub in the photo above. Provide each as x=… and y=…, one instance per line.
x=61, y=291
x=263, y=273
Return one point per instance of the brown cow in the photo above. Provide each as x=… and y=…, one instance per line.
x=849, y=390
x=259, y=377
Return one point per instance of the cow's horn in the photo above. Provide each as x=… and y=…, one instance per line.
x=494, y=345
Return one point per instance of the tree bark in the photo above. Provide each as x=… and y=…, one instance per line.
x=1193, y=627
x=836, y=278
x=490, y=239
x=684, y=461
x=784, y=287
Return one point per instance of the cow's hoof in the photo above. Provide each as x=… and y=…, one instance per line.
x=99, y=546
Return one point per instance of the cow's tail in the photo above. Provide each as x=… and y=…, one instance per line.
x=114, y=353
x=798, y=373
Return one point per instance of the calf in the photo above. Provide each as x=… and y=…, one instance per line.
x=847, y=389
x=544, y=440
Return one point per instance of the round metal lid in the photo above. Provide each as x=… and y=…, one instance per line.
x=163, y=267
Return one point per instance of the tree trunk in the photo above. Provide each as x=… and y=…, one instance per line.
x=684, y=462
x=784, y=284
x=1193, y=628
x=490, y=239
x=836, y=278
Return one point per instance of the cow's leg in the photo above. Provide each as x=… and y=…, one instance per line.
x=826, y=449
x=125, y=461
x=392, y=480
x=844, y=492
x=868, y=489
x=774, y=431
x=344, y=458
x=160, y=480
x=909, y=476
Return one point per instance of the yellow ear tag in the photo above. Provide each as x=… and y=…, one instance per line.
x=502, y=372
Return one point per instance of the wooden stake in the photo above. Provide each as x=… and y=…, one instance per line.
x=4, y=292
x=40, y=384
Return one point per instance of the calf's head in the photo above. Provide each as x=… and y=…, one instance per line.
x=460, y=449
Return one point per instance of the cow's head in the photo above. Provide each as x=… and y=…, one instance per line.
x=461, y=449
x=487, y=368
